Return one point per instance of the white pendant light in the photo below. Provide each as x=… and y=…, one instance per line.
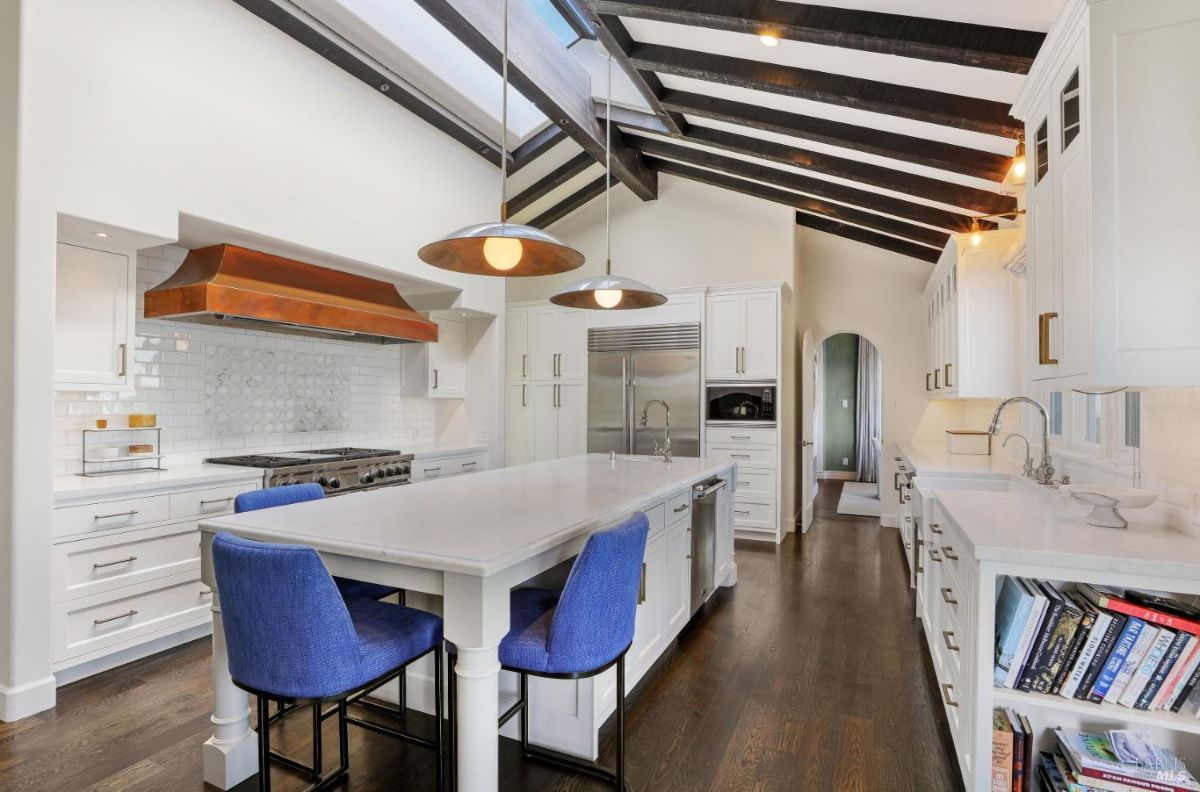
x=608, y=292
x=506, y=249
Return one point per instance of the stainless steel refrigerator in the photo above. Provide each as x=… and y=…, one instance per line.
x=629, y=366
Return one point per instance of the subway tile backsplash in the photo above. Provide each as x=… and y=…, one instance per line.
x=220, y=391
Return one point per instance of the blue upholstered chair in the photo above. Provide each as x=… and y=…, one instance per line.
x=292, y=638
x=577, y=633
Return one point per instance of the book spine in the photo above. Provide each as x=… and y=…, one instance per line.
x=1095, y=636
x=1146, y=668
x=1028, y=636
x=1116, y=659
x=1131, y=664
x=1118, y=778
x=1008, y=635
x=1040, y=656
x=1157, y=618
x=1182, y=676
x=1073, y=633
x=1115, y=627
x=1159, y=677
x=1186, y=692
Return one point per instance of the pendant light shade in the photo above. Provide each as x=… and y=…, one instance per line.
x=510, y=250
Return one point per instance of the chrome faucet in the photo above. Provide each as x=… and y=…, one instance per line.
x=1045, y=470
x=665, y=451
x=1027, y=468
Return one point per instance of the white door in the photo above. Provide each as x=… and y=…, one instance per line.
x=447, y=361
x=516, y=345
x=679, y=575
x=93, y=317
x=724, y=331
x=517, y=425
x=543, y=421
x=651, y=610
x=571, y=336
x=543, y=343
x=572, y=419
x=808, y=446
x=760, y=347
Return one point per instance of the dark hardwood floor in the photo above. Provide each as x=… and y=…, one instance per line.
x=809, y=675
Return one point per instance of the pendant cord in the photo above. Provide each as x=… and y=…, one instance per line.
x=607, y=168
x=504, y=124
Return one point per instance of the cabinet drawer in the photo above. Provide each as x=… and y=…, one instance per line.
x=679, y=506
x=753, y=513
x=73, y=520
x=470, y=464
x=448, y=466
x=93, y=623
x=657, y=515
x=755, y=481
x=745, y=455
x=207, y=502
x=91, y=566
x=727, y=435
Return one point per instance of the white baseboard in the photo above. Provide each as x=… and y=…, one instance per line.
x=28, y=699
x=889, y=521
x=88, y=668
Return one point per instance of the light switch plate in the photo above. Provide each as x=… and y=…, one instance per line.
x=845, y=404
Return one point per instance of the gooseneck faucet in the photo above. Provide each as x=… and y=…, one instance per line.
x=1045, y=470
x=1027, y=468
x=665, y=451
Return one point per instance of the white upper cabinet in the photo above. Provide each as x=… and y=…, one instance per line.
x=438, y=370
x=94, y=313
x=516, y=344
x=1113, y=277
x=557, y=344
x=742, y=332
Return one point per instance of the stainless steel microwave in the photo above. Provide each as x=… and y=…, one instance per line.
x=741, y=403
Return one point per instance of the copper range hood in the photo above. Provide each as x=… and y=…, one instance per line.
x=231, y=286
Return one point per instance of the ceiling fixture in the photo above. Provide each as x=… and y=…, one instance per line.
x=608, y=292
x=506, y=249
x=1017, y=171
x=769, y=39
x=977, y=231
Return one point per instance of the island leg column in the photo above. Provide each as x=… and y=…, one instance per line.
x=476, y=618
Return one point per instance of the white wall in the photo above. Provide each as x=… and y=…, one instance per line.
x=136, y=111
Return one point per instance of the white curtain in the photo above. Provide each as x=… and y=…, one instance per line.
x=867, y=398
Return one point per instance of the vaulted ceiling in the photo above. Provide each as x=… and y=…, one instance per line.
x=883, y=121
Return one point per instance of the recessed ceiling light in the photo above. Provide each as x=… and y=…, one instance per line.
x=769, y=40
x=101, y=234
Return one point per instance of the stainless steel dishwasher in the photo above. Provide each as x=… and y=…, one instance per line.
x=704, y=538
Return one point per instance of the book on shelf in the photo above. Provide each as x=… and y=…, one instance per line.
x=1057, y=627
x=1146, y=668
x=1021, y=740
x=1179, y=675
x=1029, y=631
x=1002, y=752
x=1087, y=619
x=1116, y=658
x=1131, y=663
x=1159, y=676
x=1027, y=754
x=1116, y=628
x=1095, y=637
x=1104, y=598
x=1013, y=606
x=1093, y=763
x=1188, y=688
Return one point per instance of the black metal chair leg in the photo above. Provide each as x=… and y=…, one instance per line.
x=437, y=718
x=316, y=727
x=343, y=738
x=523, y=694
x=621, y=723
x=452, y=703
x=264, y=745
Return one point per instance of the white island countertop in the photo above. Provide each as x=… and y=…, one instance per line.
x=85, y=489
x=932, y=459
x=481, y=523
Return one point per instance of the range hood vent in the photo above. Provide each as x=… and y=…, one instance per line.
x=231, y=286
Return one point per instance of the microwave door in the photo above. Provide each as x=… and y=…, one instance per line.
x=608, y=403
x=672, y=375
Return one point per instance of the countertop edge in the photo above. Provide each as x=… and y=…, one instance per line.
x=114, y=487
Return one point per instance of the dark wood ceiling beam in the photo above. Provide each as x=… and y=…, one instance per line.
x=382, y=83
x=916, y=104
x=632, y=119
x=963, y=44
x=615, y=37
x=843, y=214
x=535, y=147
x=920, y=151
x=970, y=198
x=867, y=237
x=569, y=204
x=545, y=73
x=815, y=188
x=550, y=182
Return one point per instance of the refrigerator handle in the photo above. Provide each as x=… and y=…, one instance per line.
x=625, y=404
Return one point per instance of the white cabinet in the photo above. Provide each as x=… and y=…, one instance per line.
x=451, y=464
x=1112, y=274
x=438, y=370
x=649, y=634
x=742, y=335
x=724, y=573
x=95, y=299
x=557, y=343
x=679, y=574
x=757, y=498
x=516, y=344
x=557, y=422
x=518, y=423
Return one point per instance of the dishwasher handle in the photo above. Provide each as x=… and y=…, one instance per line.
x=704, y=489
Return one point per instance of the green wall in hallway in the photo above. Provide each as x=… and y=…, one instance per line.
x=841, y=379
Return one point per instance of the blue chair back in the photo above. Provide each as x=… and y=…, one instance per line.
x=595, y=616
x=287, y=630
x=277, y=496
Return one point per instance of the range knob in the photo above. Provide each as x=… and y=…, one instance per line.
x=366, y=477
x=335, y=483
x=324, y=482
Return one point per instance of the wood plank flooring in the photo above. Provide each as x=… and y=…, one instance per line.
x=809, y=675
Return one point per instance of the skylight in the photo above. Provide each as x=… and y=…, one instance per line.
x=550, y=13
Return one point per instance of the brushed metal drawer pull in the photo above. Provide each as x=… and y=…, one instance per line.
x=129, y=513
x=920, y=567
x=948, y=551
x=432, y=470
x=933, y=554
x=642, y=586
x=103, y=564
x=469, y=464
x=946, y=688
x=946, y=592
x=739, y=437
x=934, y=528
x=741, y=511
x=204, y=503
x=947, y=635
x=524, y=358
x=680, y=508
x=740, y=456
x=114, y=618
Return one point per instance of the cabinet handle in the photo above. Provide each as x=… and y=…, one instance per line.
x=927, y=376
x=124, y=354
x=933, y=527
x=739, y=437
x=642, y=586
x=947, y=371
x=204, y=503
x=947, y=636
x=680, y=508
x=948, y=551
x=740, y=456
x=1044, y=358
x=114, y=618
x=896, y=481
x=432, y=469
x=936, y=379
x=524, y=358
x=101, y=565
x=741, y=511
x=920, y=568
x=933, y=554
x=469, y=464
x=523, y=402
x=129, y=513
x=435, y=379
x=946, y=688
x=949, y=600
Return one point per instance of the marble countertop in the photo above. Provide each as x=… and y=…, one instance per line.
x=1047, y=528
x=85, y=489
x=478, y=524
x=438, y=450
x=932, y=459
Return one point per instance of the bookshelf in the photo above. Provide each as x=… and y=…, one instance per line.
x=1087, y=711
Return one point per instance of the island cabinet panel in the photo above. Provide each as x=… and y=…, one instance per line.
x=650, y=633
x=679, y=575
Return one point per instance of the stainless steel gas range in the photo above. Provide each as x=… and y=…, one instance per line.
x=337, y=470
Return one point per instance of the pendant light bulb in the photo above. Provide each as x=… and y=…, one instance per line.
x=976, y=233
x=503, y=253
x=609, y=298
x=1018, y=164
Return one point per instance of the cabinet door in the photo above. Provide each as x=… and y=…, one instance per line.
x=1070, y=333
x=543, y=344
x=760, y=347
x=516, y=345
x=447, y=361
x=543, y=421
x=679, y=575
x=572, y=419
x=1046, y=269
x=93, y=320
x=571, y=336
x=724, y=341
x=517, y=424
x=723, y=564
x=648, y=637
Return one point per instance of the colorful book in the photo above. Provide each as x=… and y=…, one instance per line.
x=1002, y=752
x=1130, y=666
x=1029, y=633
x=1158, y=679
x=1087, y=618
x=1027, y=758
x=1104, y=598
x=1115, y=629
x=1019, y=739
x=1036, y=674
x=1186, y=692
x=1179, y=677
x=1091, y=756
x=1133, y=630
x=1087, y=653
x=1146, y=668
x=1013, y=605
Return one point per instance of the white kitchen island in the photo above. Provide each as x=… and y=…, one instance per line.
x=469, y=540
